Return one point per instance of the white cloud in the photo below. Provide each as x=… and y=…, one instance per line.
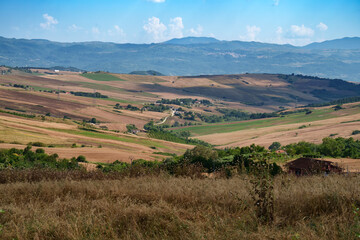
x=159, y=32
x=116, y=31
x=251, y=33
x=197, y=31
x=74, y=28
x=322, y=27
x=49, y=21
x=155, y=28
x=297, y=36
x=279, y=35
x=157, y=1
x=301, y=31
x=176, y=27
x=95, y=30
x=119, y=30
x=276, y=2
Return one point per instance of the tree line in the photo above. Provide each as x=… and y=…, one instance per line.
x=185, y=101
x=87, y=94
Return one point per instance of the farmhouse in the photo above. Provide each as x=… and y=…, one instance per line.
x=280, y=151
x=308, y=166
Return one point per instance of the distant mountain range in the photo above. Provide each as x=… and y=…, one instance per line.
x=339, y=58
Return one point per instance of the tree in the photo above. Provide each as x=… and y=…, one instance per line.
x=337, y=107
x=130, y=127
x=185, y=134
x=93, y=120
x=81, y=158
x=332, y=147
x=274, y=146
x=201, y=154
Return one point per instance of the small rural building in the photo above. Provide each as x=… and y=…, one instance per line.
x=280, y=151
x=308, y=166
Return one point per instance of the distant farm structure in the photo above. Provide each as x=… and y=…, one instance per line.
x=309, y=166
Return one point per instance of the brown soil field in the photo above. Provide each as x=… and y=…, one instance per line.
x=36, y=103
x=71, y=106
x=36, y=123
x=16, y=129
x=41, y=81
x=60, y=72
x=348, y=164
x=100, y=155
x=179, y=82
x=142, y=78
x=288, y=133
x=126, y=117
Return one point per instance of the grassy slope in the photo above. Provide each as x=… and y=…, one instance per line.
x=318, y=114
x=101, y=77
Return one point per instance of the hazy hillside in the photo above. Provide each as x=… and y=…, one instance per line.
x=192, y=40
x=344, y=43
x=189, y=56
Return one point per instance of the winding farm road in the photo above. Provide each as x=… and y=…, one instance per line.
x=163, y=121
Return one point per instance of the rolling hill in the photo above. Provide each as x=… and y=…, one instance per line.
x=103, y=116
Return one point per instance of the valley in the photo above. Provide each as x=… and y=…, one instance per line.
x=102, y=115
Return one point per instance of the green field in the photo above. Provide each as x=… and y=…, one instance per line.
x=101, y=77
x=317, y=114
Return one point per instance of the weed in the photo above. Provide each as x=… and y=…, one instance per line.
x=263, y=194
x=1, y=226
x=356, y=211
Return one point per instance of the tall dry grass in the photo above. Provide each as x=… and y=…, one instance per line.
x=163, y=207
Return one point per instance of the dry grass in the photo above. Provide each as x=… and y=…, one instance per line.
x=162, y=207
x=287, y=133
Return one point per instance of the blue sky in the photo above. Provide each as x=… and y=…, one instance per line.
x=297, y=22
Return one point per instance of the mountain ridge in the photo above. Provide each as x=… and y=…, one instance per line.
x=189, y=56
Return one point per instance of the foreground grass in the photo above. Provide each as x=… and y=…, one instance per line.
x=163, y=207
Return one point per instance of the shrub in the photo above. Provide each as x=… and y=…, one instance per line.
x=355, y=132
x=37, y=144
x=274, y=146
x=203, y=155
x=40, y=150
x=81, y=158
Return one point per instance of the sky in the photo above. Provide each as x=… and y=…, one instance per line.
x=297, y=22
